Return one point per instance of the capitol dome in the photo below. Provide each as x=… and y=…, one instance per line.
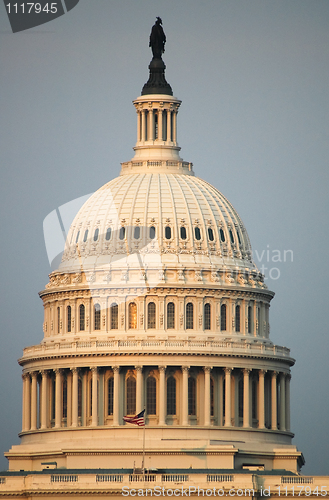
x=156, y=305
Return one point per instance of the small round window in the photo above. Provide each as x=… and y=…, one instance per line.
x=197, y=233
x=222, y=235
x=231, y=236
x=77, y=238
x=85, y=236
x=152, y=232
x=210, y=234
x=96, y=233
x=168, y=232
x=122, y=233
x=183, y=233
x=137, y=232
x=108, y=234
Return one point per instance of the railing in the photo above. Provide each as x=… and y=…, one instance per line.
x=199, y=346
x=109, y=478
x=220, y=478
x=175, y=478
x=296, y=480
x=64, y=478
x=140, y=478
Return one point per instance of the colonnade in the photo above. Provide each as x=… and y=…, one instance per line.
x=157, y=121
x=224, y=396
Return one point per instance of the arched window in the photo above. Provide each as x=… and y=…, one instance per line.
x=64, y=397
x=183, y=233
x=222, y=235
x=79, y=397
x=69, y=318
x=250, y=325
x=152, y=232
x=237, y=318
x=191, y=396
x=223, y=317
x=170, y=315
x=237, y=232
x=114, y=316
x=97, y=317
x=96, y=233
x=108, y=234
x=167, y=232
x=132, y=315
x=210, y=234
x=58, y=319
x=189, y=316
x=197, y=233
x=171, y=396
x=137, y=232
x=110, y=392
x=231, y=236
x=131, y=395
x=151, y=315
x=77, y=238
x=82, y=317
x=212, y=397
x=151, y=396
x=207, y=316
x=122, y=233
x=85, y=236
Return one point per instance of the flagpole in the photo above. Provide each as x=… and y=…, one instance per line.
x=143, y=462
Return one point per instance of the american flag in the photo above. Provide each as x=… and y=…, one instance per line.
x=137, y=419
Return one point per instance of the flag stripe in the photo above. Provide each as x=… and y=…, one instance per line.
x=136, y=420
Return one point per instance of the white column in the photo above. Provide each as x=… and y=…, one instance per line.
x=160, y=127
x=139, y=388
x=94, y=406
x=185, y=370
x=174, y=126
x=151, y=125
x=44, y=399
x=274, y=424
x=168, y=125
x=26, y=402
x=116, y=395
x=261, y=399
x=228, y=416
x=246, y=398
x=288, y=377
x=34, y=400
x=282, y=402
x=143, y=125
x=138, y=126
x=162, y=395
x=75, y=380
x=206, y=395
x=58, y=398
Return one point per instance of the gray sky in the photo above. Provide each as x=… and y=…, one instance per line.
x=253, y=76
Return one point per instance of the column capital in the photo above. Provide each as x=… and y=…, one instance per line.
x=207, y=369
x=94, y=369
x=58, y=371
x=34, y=374
x=274, y=374
x=228, y=370
x=116, y=369
x=44, y=373
x=185, y=369
x=162, y=369
x=262, y=372
x=138, y=369
x=288, y=376
x=246, y=371
x=25, y=375
x=75, y=370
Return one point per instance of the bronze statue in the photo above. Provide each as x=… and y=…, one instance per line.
x=157, y=39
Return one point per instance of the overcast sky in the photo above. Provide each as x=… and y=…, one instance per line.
x=253, y=76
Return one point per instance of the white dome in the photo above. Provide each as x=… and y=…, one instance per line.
x=213, y=233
